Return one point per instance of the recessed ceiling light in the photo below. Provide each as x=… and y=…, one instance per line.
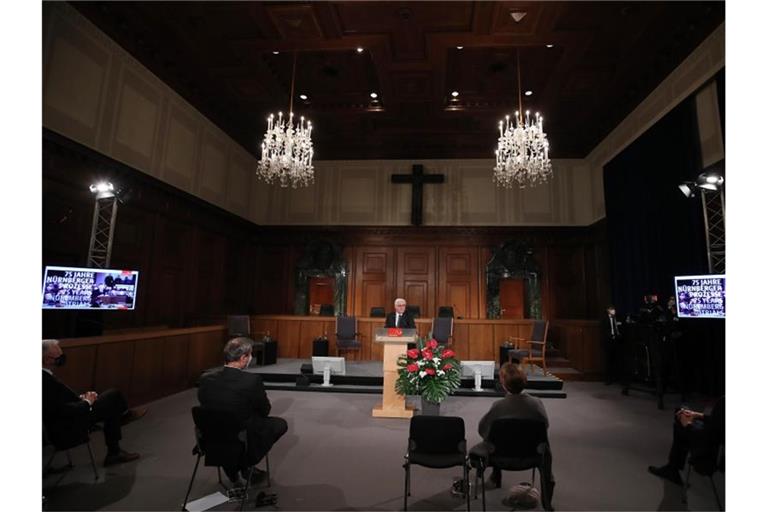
x=550, y=46
x=374, y=95
x=528, y=93
x=459, y=47
x=455, y=93
x=275, y=53
x=359, y=49
x=303, y=96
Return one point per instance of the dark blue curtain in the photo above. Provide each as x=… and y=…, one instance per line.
x=656, y=233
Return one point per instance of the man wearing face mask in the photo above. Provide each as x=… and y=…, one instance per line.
x=63, y=407
x=613, y=349
x=242, y=393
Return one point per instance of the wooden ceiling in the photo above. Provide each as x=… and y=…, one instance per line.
x=221, y=57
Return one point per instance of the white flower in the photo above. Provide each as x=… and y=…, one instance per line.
x=422, y=374
x=436, y=360
x=440, y=373
x=421, y=362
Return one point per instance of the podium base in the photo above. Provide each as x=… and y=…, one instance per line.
x=393, y=412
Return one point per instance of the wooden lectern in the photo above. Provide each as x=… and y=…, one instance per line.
x=393, y=405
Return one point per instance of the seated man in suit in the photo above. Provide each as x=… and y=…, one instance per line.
x=694, y=433
x=64, y=407
x=520, y=405
x=400, y=318
x=231, y=389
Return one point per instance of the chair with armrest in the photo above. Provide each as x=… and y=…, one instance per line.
x=515, y=445
x=240, y=326
x=220, y=438
x=442, y=329
x=347, y=334
x=436, y=442
x=535, y=345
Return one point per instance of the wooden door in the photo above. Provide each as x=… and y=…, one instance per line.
x=512, y=298
x=321, y=290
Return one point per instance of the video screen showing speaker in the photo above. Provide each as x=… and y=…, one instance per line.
x=700, y=296
x=89, y=288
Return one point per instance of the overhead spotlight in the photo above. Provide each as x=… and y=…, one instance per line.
x=359, y=49
x=275, y=52
x=528, y=93
x=459, y=47
x=550, y=46
x=101, y=187
x=303, y=96
x=374, y=95
x=455, y=94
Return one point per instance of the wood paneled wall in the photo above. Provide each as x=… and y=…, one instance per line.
x=144, y=365
x=479, y=339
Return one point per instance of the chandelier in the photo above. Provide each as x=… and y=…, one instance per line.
x=286, y=152
x=522, y=156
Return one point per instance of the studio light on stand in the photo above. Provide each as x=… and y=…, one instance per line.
x=103, y=225
x=709, y=186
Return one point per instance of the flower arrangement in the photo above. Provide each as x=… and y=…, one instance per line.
x=430, y=370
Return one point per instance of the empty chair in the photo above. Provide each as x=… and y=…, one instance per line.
x=218, y=439
x=443, y=311
x=326, y=310
x=240, y=326
x=414, y=311
x=378, y=312
x=442, y=329
x=346, y=334
x=515, y=445
x=436, y=442
x=538, y=339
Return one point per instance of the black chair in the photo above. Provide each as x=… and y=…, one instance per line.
x=414, y=311
x=219, y=439
x=706, y=464
x=326, y=310
x=436, y=442
x=378, y=312
x=442, y=329
x=514, y=445
x=240, y=326
x=346, y=334
x=65, y=436
x=443, y=311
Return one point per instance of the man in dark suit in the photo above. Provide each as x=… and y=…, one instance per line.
x=695, y=433
x=613, y=349
x=65, y=409
x=520, y=405
x=400, y=317
x=242, y=393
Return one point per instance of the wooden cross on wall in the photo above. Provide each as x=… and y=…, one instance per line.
x=417, y=180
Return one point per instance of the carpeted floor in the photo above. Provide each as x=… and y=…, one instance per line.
x=335, y=456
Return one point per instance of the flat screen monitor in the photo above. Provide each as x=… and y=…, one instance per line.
x=700, y=296
x=336, y=365
x=486, y=368
x=89, y=288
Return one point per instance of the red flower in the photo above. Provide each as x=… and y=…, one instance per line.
x=430, y=371
x=413, y=353
x=449, y=353
x=412, y=368
x=432, y=344
x=447, y=366
x=426, y=354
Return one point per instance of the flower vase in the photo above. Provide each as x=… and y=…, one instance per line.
x=430, y=408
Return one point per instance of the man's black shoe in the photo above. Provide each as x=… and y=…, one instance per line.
x=494, y=482
x=667, y=473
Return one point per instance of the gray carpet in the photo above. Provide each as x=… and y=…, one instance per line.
x=335, y=456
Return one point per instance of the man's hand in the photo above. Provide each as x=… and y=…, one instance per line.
x=686, y=417
x=90, y=397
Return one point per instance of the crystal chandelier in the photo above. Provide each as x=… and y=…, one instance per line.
x=522, y=156
x=286, y=152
